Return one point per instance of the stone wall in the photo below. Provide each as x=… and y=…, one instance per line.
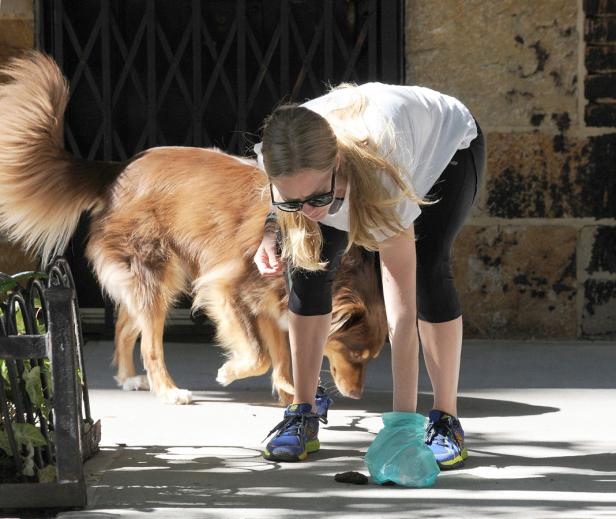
x=538, y=257
x=16, y=34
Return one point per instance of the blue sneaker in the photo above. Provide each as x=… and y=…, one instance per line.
x=445, y=437
x=323, y=402
x=296, y=436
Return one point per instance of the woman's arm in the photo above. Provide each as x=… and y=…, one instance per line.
x=271, y=222
x=266, y=258
x=398, y=266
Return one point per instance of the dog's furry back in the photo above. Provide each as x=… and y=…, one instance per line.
x=43, y=188
x=174, y=215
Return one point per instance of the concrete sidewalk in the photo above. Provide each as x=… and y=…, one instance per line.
x=539, y=419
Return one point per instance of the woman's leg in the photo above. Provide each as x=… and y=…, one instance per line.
x=310, y=314
x=307, y=336
x=442, y=346
x=310, y=305
x=439, y=312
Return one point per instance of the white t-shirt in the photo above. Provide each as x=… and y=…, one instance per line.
x=428, y=128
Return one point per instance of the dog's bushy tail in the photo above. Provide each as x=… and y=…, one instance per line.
x=43, y=188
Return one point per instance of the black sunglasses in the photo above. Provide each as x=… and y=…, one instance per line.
x=291, y=206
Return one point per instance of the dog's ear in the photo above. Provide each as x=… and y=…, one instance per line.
x=359, y=355
x=339, y=319
x=346, y=316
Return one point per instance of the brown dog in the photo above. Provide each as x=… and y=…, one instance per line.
x=167, y=221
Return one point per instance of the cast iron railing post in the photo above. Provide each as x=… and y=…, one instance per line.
x=63, y=345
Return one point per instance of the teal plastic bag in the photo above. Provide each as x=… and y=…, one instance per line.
x=399, y=454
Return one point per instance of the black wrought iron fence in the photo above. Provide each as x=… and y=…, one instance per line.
x=46, y=428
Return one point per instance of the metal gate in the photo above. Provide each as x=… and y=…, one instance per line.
x=146, y=73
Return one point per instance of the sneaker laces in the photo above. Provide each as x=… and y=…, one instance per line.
x=294, y=424
x=440, y=428
x=323, y=402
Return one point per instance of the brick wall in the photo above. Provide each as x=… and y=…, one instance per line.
x=537, y=258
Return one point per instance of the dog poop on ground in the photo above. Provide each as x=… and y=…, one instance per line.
x=355, y=478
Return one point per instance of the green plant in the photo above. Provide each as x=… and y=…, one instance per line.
x=28, y=436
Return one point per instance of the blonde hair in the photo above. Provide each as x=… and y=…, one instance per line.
x=296, y=138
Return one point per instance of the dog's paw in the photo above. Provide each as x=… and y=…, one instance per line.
x=138, y=383
x=225, y=376
x=176, y=396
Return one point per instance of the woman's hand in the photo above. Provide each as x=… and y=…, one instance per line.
x=266, y=258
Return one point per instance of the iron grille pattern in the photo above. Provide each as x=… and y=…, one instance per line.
x=205, y=73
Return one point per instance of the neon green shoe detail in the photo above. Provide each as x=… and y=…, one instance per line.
x=445, y=437
x=296, y=436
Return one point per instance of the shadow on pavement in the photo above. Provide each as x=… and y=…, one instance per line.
x=380, y=401
x=228, y=477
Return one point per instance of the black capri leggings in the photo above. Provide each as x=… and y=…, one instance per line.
x=310, y=293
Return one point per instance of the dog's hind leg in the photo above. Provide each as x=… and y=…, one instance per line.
x=161, y=383
x=159, y=283
x=144, y=277
x=126, y=334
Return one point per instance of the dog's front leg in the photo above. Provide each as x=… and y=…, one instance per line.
x=237, y=368
x=275, y=340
